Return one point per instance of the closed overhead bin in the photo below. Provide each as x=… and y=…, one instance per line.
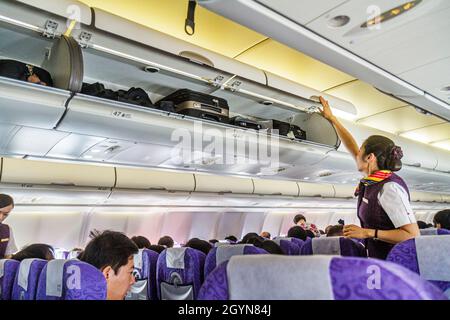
x=344, y=191
x=223, y=184
x=128, y=178
x=323, y=190
x=55, y=173
x=276, y=187
x=418, y=196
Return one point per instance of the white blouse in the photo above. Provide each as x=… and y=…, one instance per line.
x=394, y=200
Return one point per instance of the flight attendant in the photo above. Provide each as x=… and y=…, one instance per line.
x=383, y=208
x=7, y=243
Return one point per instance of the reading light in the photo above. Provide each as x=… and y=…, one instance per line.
x=390, y=14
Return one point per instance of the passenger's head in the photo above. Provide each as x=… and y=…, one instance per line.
x=166, y=241
x=141, y=242
x=231, y=238
x=213, y=241
x=198, y=244
x=379, y=153
x=249, y=236
x=6, y=206
x=336, y=231
x=35, y=251
x=297, y=232
x=112, y=253
x=422, y=224
x=271, y=247
x=299, y=219
x=256, y=241
x=265, y=235
x=441, y=219
x=157, y=248
x=327, y=229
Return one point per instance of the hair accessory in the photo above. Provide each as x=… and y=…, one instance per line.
x=396, y=153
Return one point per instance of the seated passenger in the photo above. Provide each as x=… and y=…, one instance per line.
x=336, y=231
x=166, y=241
x=213, y=241
x=248, y=237
x=199, y=244
x=157, y=248
x=310, y=234
x=35, y=251
x=271, y=247
x=141, y=242
x=265, y=235
x=424, y=225
x=300, y=220
x=441, y=219
x=256, y=241
x=112, y=253
x=297, y=232
x=231, y=239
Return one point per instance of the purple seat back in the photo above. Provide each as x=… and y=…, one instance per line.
x=26, y=280
x=179, y=273
x=71, y=280
x=8, y=270
x=276, y=277
x=288, y=246
x=406, y=254
x=333, y=246
x=434, y=232
x=221, y=254
x=145, y=273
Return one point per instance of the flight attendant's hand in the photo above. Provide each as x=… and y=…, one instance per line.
x=355, y=232
x=326, y=110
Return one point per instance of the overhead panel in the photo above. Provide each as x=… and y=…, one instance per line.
x=279, y=59
x=400, y=119
x=440, y=132
x=223, y=184
x=170, y=18
x=367, y=100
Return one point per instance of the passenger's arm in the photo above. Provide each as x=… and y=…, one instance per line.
x=394, y=236
x=344, y=134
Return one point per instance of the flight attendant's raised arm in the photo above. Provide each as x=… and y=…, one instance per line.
x=346, y=137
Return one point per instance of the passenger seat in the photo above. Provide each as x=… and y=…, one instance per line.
x=8, y=270
x=26, y=280
x=339, y=246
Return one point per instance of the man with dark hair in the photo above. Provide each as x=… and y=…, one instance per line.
x=299, y=219
x=35, y=251
x=199, y=244
x=112, y=253
x=248, y=237
x=336, y=231
x=7, y=243
x=141, y=242
x=231, y=239
x=297, y=232
x=422, y=224
x=441, y=219
x=166, y=241
x=157, y=248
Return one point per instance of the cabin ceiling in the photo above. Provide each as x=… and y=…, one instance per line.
x=375, y=109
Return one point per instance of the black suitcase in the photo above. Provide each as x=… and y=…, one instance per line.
x=20, y=71
x=245, y=123
x=284, y=129
x=199, y=105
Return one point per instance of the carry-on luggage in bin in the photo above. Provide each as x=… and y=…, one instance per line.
x=284, y=129
x=245, y=123
x=21, y=71
x=199, y=105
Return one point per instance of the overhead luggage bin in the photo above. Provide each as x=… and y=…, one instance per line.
x=276, y=187
x=223, y=184
x=54, y=173
x=128, y=178
x=316, y=190
x=344, y=191
x=443, y=162
x=425, y=197
x=33, y=105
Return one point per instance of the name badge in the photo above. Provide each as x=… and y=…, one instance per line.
x=365, y=200
x=4, y=240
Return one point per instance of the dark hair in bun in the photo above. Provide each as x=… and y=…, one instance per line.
x=388, y=154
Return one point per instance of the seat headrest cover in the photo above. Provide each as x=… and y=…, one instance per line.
x=285, y=277
x=175, y=258
x=326, y=245
x=24, y=272
x=224, y=253
x=138, y=259
x=429, y=232
x=433, y=257
x=55, y=275
x=2, y=267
